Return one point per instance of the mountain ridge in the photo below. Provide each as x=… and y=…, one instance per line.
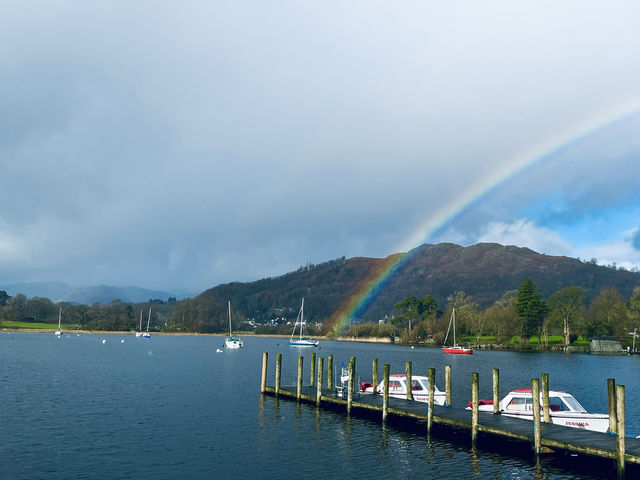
x=62, y=292
x=484, y=271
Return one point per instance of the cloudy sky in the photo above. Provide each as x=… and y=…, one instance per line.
x=179, y=145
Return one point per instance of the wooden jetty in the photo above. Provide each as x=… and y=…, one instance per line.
x=544, y=436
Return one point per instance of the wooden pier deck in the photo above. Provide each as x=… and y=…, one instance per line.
x=547, y=437
x=555, y=437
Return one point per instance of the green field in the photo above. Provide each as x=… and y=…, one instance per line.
x=31, y=325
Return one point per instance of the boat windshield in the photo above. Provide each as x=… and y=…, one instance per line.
x=395, y=386
x=416, y=386
x=520, y=404
x=557, y=405
x=573, y=404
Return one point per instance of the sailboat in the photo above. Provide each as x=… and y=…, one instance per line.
x=147, y=334
x=139, y=332
x=59, y=331
x=455, y=348
x=231, y=341
x=301, y=341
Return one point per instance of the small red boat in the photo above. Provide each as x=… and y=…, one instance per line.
x=458, y=350
x=455, y=349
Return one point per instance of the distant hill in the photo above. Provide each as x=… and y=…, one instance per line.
x=61, y=292
x=50, y=290
x=484, y=271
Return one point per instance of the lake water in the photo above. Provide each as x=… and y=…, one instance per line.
x=171, y=407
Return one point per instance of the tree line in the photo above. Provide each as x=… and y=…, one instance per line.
x=521, y=313
x=199, y=315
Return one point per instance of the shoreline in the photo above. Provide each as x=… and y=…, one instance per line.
x=132, y=332
x=373, y=340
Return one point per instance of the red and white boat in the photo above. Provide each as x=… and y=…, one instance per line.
x=455, y=348
x=564, y=409
x=398, y=388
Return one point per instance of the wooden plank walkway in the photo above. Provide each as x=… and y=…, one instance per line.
x=555, y=437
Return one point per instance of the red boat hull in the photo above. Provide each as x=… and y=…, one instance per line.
x=457, y=351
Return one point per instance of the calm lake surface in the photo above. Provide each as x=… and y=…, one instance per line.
x=171, y=407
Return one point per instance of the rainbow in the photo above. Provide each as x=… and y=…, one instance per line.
x=367, y=291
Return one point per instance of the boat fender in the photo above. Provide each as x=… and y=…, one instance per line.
x=365, y=385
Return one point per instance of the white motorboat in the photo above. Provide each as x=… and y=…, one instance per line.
x=231, y=341
x=564, y=409
x=398, y=388
x=301, y=341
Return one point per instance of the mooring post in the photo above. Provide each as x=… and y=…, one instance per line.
x=611, y=389
x=374, y=375
x=474, y=406
x=620, y=443
x=544, y=377
x=299, y=386
x=495, y=373
x=431, y=381
x=330, y=373
x=352, y=383
x=320, y=373
x=263, y=381
x=278, y=370
x=447, y=385
x=535, y=394
x=385, y=391
x=407, y=372
x=313, y=369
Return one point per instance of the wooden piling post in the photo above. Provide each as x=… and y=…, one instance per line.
x=535, y=394
x=319, y=387
x=447, y=385
x=407, y=372
x=263, y=381
x=620, y=429
x=352, y=383
x=495, y=373
x=278, y=371
x=330, y=372
x=374, y=375
x=313, y=369
x=474, y=406
x=385, y=391
x=431, y=380
x=544, y=377
x=611, y=390
x=299, y=386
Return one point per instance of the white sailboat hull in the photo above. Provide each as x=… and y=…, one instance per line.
x=232, y=343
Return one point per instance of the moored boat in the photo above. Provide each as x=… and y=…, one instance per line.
x=147, y=334
x=455, y=348
x=564, y=409
x=59, y=331
x=231, y=341
x=139, y=332
x=398, y=388
x=301, y=340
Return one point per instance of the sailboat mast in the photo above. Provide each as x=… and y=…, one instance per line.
x=59, y=317
x=140, y=319
x=453, y=315
x=301, y=318
x=229, y=317
x=149, y=320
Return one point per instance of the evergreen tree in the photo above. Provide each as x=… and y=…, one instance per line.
x=531, y=309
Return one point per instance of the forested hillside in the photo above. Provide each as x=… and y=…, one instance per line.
x=484, y=272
